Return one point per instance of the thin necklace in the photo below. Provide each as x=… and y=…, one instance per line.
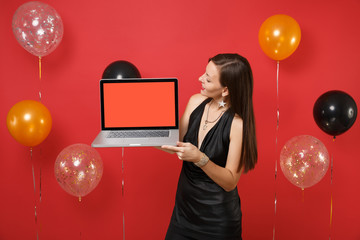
x=207, y=117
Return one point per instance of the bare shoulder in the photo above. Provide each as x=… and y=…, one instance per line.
x=195, y=100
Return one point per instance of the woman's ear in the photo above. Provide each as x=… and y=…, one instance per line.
x=225, y=92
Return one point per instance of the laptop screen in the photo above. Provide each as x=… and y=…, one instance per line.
x=139, y=103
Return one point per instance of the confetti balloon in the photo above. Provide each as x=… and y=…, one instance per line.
x=304, y=160
x=78, y=169
x=38, y=28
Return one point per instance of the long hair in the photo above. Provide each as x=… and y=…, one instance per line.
x=236, y=75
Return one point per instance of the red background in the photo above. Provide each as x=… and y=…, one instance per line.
x=175, y=38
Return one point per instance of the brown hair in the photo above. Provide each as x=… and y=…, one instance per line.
x=236, y=75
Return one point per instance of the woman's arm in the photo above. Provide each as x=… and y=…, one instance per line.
x=226, y=177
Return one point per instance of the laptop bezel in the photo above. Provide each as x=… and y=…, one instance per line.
x=127, y=80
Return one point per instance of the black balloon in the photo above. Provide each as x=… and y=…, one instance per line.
x=335, y=112
x=121, y=69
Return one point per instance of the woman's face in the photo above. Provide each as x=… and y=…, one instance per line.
x=210, y=82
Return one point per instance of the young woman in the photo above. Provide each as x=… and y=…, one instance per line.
x=218, y=144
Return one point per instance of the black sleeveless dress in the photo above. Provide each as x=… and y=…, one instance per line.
x=203, y=210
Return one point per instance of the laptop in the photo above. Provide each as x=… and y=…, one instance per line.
x=138, y=112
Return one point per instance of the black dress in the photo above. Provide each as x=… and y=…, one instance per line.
x=203, y=210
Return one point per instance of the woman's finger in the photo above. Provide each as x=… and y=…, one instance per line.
x=172, y=148
x=179, y=155
x=181, y=144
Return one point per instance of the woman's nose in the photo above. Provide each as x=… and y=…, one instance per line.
x=201, y=78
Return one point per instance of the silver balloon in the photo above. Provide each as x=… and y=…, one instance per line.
x=38, y=28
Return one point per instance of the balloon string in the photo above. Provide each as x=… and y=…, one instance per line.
x=277, y=114
x=276, y=140
x=40, y=78
x=122, y=172
x=332, y=167
x=277, y=94
x=39, y=203
x=40, y=68
x=123, y=226
x=40, y=185
x=303, y=207
x=331, y=197
x=33, y=174
x=303, y=195
x=274, y=217
x=122, y=189
x=331, y=213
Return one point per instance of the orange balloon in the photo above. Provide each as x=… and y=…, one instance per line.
x=279, y=36
x=29, y=122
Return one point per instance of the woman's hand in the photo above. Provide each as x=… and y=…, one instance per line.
x=185, y=151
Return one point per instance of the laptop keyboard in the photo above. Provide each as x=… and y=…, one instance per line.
x=138, y=134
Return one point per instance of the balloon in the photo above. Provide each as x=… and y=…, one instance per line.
x=78, y=169
x=29, y=122
x=304, y=160
x=335, y=112
x=38, y=28
x=279, y=36
x=121, y=69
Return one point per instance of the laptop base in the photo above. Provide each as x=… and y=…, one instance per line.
x=101, y=141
